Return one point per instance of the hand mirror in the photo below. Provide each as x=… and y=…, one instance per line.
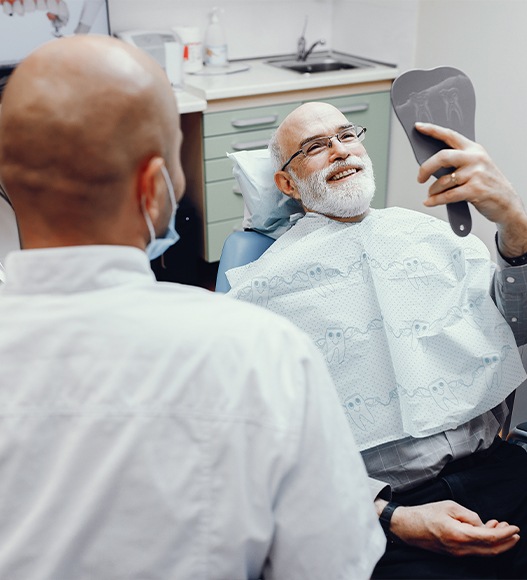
x=443, y=96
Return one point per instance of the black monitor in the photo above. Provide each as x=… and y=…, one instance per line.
x=26, y=24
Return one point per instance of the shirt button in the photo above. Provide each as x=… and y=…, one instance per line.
x=514, y=319
x=511, y=280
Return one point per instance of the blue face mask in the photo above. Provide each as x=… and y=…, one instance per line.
x=158, y=246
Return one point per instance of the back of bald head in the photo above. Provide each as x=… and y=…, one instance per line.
x=79, y=117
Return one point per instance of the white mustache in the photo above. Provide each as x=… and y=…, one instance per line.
x=343, y=165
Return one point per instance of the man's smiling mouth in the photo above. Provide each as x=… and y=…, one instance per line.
x=345, y=173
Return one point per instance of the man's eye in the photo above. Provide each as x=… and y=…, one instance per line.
x=348, y=135
x=314, y=147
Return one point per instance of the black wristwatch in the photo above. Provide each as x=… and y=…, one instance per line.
x=385, y=519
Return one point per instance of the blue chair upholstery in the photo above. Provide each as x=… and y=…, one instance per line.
x=239, y=249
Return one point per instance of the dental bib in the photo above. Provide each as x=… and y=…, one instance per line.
x=399, y=306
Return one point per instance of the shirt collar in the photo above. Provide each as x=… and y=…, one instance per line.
x=75, y=269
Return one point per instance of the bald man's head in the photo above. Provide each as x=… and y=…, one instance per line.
x=81, y=118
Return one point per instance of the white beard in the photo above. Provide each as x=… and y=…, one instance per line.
x=347, y=199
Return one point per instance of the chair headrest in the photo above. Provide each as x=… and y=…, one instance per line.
x=267, y=209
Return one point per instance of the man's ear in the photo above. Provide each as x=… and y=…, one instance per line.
x=286, y=185
x=149, y=189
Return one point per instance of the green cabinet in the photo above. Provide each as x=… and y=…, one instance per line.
x=250, y=128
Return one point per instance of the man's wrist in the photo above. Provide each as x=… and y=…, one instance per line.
x=513, y=260
x=380, y=504
x=385, y=519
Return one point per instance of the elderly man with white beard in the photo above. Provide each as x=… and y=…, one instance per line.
x=419, y=331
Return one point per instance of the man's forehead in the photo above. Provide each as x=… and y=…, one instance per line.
x=312, y=121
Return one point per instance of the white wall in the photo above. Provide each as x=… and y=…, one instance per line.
x=484, y=38
x=253, y=28
x=383, y=30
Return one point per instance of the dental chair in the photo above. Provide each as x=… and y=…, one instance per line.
x=239, y=249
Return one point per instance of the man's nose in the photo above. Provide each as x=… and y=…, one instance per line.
x=338, y=150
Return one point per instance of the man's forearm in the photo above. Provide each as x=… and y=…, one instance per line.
x=509, y=292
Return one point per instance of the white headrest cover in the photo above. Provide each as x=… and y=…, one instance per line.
x=267, y=209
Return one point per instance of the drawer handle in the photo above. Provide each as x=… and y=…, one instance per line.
x=236, y=190
x=254, y=122
x=242, y=146
x=354, y=108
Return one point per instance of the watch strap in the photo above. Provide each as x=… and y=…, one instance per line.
x=386, y=517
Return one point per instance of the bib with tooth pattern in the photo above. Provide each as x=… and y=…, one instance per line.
x=400, y=309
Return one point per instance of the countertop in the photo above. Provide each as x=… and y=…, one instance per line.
x=189, y=102
x=262, y=78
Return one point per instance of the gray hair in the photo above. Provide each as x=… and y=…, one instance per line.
x=275, y=151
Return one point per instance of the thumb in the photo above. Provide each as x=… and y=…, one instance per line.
x=466, y=516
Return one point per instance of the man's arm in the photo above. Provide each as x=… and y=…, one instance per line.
x=449, y=528
x=480, y=182
x=446, y=526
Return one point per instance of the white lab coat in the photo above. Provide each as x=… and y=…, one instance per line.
x=157, y=431
x=8, y=232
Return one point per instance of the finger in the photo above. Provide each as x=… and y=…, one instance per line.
x=485, y=536
x=452, y=195
x=445, y=182
x=493, y=523
x=449, y=136
x=444, y=159
x=466, y=516
x=490, y=550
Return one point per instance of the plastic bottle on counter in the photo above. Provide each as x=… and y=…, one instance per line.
x=215, y=43
x=192, y=48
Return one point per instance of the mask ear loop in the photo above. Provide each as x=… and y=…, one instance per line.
x=170, y=188
x=148, y=221
x=173, y=201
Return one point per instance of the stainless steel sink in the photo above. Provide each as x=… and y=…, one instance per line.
x=320, y=62
x=313, y=67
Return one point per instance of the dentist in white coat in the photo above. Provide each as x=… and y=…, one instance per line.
x=149, y=430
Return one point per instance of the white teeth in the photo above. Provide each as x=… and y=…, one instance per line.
x=343, y=174
x=29, y=5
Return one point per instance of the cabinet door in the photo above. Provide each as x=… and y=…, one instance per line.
x=371, y=110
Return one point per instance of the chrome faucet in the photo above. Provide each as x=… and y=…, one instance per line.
x=301, y=52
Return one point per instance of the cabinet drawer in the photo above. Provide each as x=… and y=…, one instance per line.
x=245, y=119
x=216, y=235
x=223, y=200
x=216, y=147
x=370, y=110
x=218, y=169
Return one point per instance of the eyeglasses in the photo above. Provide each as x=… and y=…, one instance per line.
x=348, y=136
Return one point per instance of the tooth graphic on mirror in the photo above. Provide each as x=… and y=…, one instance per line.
x=41, y=5
x=53, y=7
x=8, y=8
x=64, y=13
x=29, y=5
x=18, y=8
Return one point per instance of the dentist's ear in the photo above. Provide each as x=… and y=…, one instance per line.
x=286, y=185
x=150, y=186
